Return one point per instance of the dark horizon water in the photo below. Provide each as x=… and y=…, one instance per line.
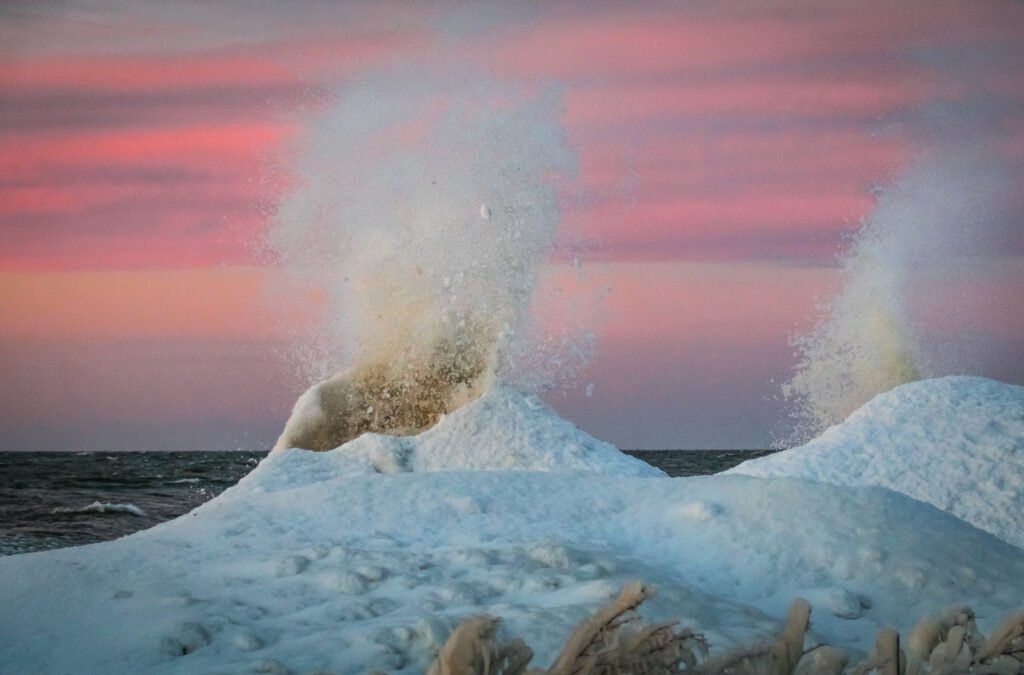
x=56, y=499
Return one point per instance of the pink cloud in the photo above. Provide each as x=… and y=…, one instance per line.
x=704, y=133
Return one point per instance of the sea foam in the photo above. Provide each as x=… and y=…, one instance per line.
x=103, y=507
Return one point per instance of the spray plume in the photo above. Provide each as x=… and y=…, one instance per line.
x=423, y=210
x=870, y=337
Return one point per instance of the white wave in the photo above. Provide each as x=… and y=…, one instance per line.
x=104, y=507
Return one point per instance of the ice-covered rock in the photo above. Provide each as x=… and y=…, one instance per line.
x=954, y=442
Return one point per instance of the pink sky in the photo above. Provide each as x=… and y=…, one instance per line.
x=725, y=150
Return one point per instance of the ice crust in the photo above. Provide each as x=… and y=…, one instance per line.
x=365, y=557
x=954, y=442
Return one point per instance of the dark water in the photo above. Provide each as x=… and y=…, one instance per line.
x=56, y=499
x=696, y=462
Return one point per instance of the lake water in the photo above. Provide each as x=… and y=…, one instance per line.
x=56, y=499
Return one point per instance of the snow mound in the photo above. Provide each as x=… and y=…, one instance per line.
x=357, y=573
x=504, y=430
x=954, y=442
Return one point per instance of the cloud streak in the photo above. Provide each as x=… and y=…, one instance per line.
x=726, y=153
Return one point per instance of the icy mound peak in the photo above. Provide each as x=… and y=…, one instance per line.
x=954, y=442
x=503, y=429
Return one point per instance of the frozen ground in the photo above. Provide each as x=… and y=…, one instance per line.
x=954, y=442
x=365, y=557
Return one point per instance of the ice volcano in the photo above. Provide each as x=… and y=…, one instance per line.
x=397, y=398
x=502, y=430
x=423, y=219
x=925, y=241
x=954, y=442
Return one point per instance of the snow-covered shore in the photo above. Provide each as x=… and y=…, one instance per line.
x=365, y=557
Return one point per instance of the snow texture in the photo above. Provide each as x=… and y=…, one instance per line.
x=365, y=558
x=954, y=442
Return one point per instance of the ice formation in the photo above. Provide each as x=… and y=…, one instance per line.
x=366, y=557
x=955, y=442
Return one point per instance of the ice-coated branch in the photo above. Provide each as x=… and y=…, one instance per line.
x=472, y=649
x=608, y=643
x=823, y=660
x=780, y=657
x=613, y=643
x=1007, y=640
x=581, y=651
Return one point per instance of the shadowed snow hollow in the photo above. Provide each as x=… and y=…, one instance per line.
x=954, y=442
x=502, y=430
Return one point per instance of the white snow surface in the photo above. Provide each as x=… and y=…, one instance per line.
x=954, y=442
x=349, y=562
